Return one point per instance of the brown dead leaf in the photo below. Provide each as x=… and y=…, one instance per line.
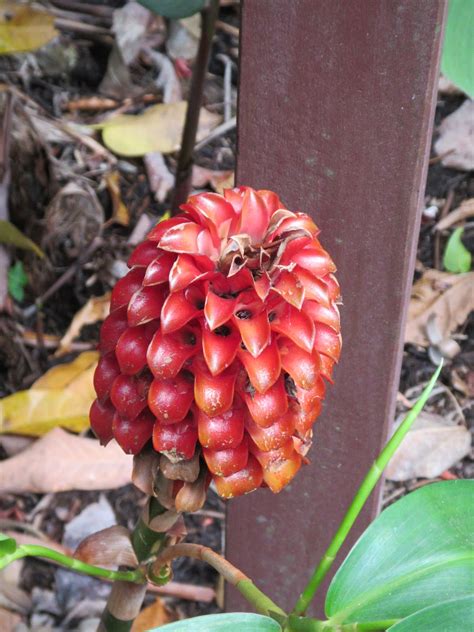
x=10, y=620
x=96, y=309
x=219, y=180
x=60, y=461
x=464, y=211
x=121, y=213
x=153, y=616
x=447, y=298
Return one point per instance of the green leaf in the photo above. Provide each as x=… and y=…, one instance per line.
x=7, y=545
x=17, y=281
x=10, y=235
x=457, y=257
x=457, y=62
x=223, y=623
x=449, y=616
x=418, y=552
x=174, y=9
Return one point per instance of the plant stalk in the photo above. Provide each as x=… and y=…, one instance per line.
x=185, y=159
x=306, y=624
x=360, y=499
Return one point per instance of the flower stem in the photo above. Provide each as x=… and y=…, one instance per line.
x=306, y=624
x=360, y=499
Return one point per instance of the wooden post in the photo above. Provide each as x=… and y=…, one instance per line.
x=336, y=107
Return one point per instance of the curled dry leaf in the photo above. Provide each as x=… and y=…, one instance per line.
x=121, y=214
x=433, y=445
x=445, y=298
x=61, y=397
x=159, y=128
x=96, y=309
x=455, y=138
x=109, y=547
x=152, y=617
x=60, y=461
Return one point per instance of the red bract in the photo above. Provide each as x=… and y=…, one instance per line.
x=219, y=340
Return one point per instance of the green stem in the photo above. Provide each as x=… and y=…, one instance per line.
x=259, y=600
x=33, y=550
x=360, y=499
x=306, y=624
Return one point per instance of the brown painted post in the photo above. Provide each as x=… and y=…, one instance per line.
x=335, y=114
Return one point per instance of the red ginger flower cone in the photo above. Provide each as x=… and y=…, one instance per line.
x=219, y=340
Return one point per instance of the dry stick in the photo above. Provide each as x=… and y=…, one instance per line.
x=5, y=137
x=437, y=243
x=185, y=160
x=221, y=129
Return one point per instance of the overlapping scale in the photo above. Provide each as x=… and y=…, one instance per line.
x=218, y=344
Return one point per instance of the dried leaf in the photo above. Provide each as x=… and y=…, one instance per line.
x=10, y=235
x=121, y=214
x=433, y=445
x=96, y=309
x=152, y=616
x=455, y=138
x=464, y=211
x=61, y=397
x=219, y=180
x=60, y=461
x=108, y=547
x=23, y=28
x=449, y=297
x=457, y=257
x=159, y=128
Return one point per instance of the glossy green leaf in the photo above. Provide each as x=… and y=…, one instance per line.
x=457, y=257
x=448, y=616
x=457, y=62
x=418, y=552
x=223, y=623
x=10, y=235
x=17, y=281
x=7, y=545
x=174, y=9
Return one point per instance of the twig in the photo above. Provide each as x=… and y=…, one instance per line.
x=220, y=130
x=190, y=592
x=227, y=28
x=83, y=28
x=227, y=61
x=84, y=7
x=5, y=137
x=437, y=241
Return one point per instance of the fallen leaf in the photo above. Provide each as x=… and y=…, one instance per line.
x=433, y=445
x=23, y=28
x=10, y=620
x=159, y=128
x=60, y=461
x=152, y=616
x=219, y=180
x=96, y=309
x=121, y=214
x=12, y=236
x=130, y=26
x=61, y=397
x=455, y=138
x=449, y=297
x=159, y=176
x=183, y=38
x=457, y=257
x=464, y=211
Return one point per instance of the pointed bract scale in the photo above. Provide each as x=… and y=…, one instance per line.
x=271, y=201
x=171, y=399
x=327, y=341
x=131, y=349
x=222, y=431
x=218, y=310
x=112, y=328
x=290, y=288
x=321, y=314
x=304, y=421
x=308, y=400
x=316, y=260
x=213, y=394
x=133, y=434
x=268, y=457
x=279, y=473
x=219, y=347
x=184, y=272
x=143, y=254
x=106, y=371
x=327, y=367
x=157, y=232
x=126, y=287
x=145, y=305
x=182, y=238
x=101, y=416
x=176, y=441
x=303, y=367
x=333, y=287
x=293, y=324
x=300, y=222
x=167, y=354
x=214, y=208
x=314, y=289
x=254, y=329
x=129, y=394
x=264, y=370
x=266, y=408
x=254, y=216
x=228, y=461
x=181, y=307
x=243, y=482
x=273, y=436
x=159, y=269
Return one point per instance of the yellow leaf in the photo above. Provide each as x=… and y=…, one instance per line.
x=159, y=128
x=121, y=214
x=96, y=308
x=151, y=617
x=9, y=234
x=23, y=28
x=61, y=397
